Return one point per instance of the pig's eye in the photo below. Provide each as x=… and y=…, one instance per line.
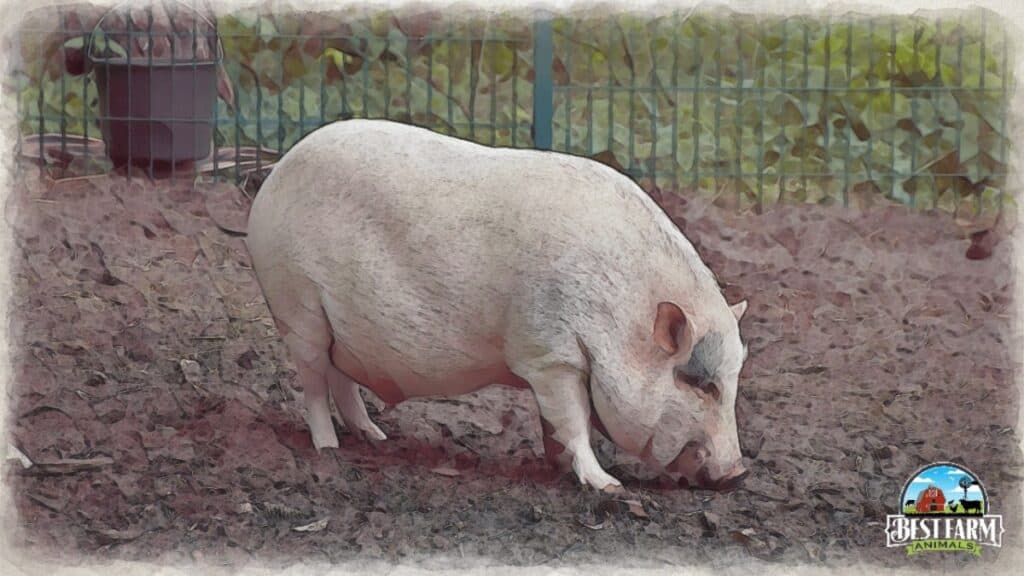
x=711, y=389
x=704, y=386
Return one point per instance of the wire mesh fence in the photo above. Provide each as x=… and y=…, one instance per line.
x=765, y=109
x=751, y=110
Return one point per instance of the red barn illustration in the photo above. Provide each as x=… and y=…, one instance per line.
x=931, y=499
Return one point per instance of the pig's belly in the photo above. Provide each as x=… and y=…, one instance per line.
x=405, y=351
x=395, y=377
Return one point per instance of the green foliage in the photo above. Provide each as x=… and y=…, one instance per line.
x=773, y=108
x=797, y=107
x=459, y=80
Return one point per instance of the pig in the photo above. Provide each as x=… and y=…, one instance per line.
x=416, y=264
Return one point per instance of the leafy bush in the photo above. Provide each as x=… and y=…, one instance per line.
x=768, y=109
x=908, y=107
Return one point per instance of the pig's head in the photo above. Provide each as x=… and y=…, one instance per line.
x=685, y=423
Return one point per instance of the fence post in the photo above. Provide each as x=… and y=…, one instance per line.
x=543, y=89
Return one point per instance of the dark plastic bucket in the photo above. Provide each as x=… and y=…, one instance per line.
x=159, y=114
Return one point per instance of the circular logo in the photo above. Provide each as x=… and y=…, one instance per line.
x=943, y=488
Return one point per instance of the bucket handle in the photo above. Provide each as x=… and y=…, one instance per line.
x=126, y=5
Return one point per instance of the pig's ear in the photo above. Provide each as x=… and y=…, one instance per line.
x=669, y=326
x=738, y=309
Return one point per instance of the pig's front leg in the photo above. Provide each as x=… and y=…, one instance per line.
x=565, y=407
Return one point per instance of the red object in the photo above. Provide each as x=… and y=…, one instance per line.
x=931, y=499
x=981, y=246
x=75, y=61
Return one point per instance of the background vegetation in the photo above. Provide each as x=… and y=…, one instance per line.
x=747, y=109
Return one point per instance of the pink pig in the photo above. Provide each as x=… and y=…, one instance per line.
x=417, y=264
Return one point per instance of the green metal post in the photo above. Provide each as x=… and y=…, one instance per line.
x=543, y=85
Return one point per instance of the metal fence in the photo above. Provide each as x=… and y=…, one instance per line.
x=751, y=110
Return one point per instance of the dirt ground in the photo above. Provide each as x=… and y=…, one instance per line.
x=142, y=344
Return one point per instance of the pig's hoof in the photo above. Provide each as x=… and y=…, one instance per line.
x=615, y=489
x=372, y=432
x=321, y=441
x=609, y=486
x=600, y=481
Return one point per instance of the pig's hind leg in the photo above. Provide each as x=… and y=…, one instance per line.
x=349, y=402
x=306, y=332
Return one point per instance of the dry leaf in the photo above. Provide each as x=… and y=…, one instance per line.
x=814, y=551
x=599, y=526
x=70, y=466
x=608, y=157
x=636, y=508
x=47, y=502
x=112, y=535
x=312, y=526
x=618, y=506
x=191, y=369
x=536, y=513
x=446, y=471
x=753, y=546
x=710, y=520
x=228, y=207
x=14, y=454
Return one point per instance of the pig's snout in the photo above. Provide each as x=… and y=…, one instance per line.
x=693, y=470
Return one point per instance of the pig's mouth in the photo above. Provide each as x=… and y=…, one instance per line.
x=690, y=458
x=692, y=471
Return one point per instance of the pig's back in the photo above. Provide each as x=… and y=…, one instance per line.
x=384, y=185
